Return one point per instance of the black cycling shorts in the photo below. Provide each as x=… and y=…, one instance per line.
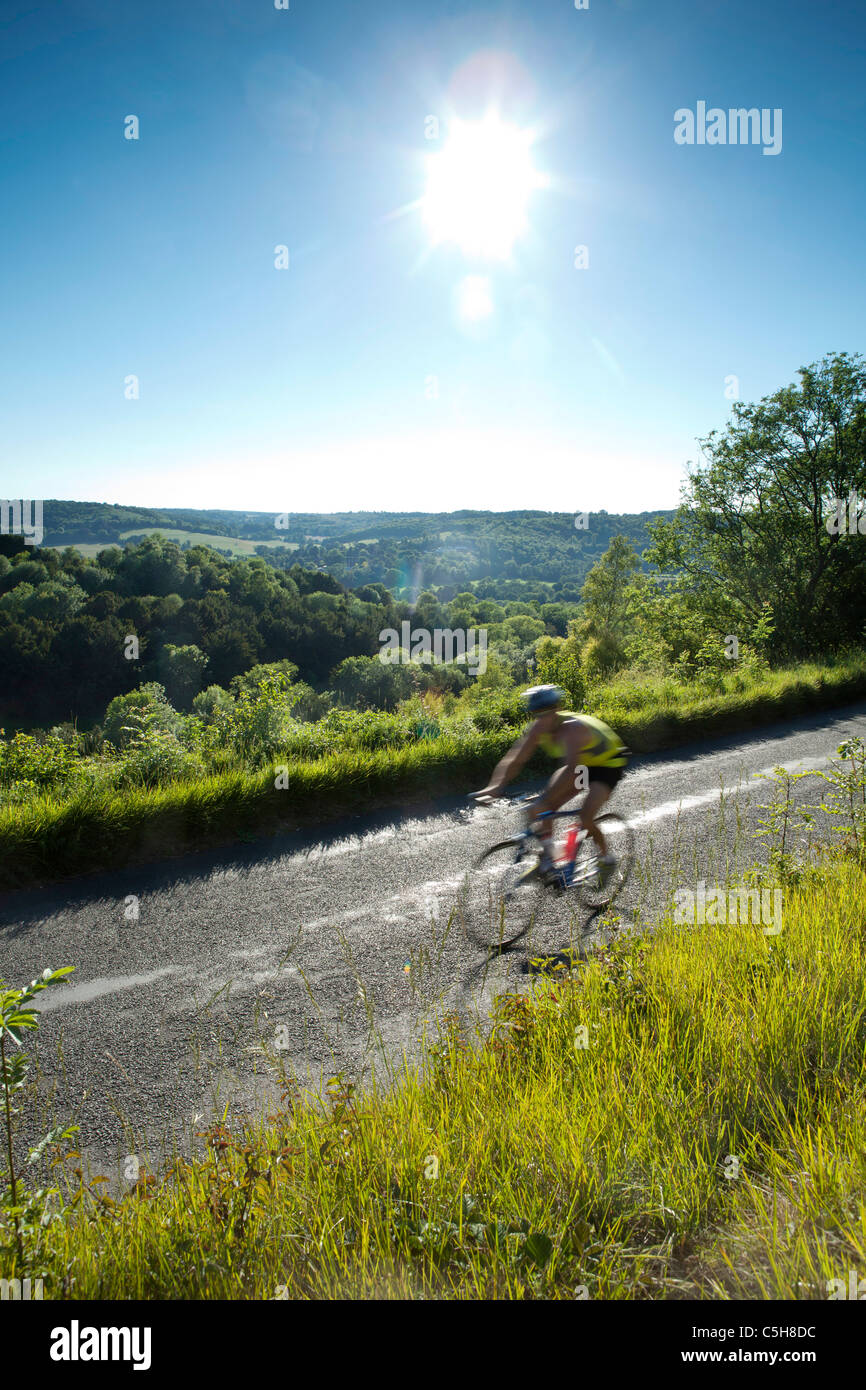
x=608, y=776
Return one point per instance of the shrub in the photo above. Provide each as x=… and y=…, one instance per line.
x=557, y=663
x=284, y=672
x=128, y=716
x=208, y=704
x=41, y=763
x=601, y=656
x=499, y=709
x=257, y=725
x=308, y=704
x=368, y=729
x=156, y=759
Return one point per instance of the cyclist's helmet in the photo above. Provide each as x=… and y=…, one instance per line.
x=543, y=697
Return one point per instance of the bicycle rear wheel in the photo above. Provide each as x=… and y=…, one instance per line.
x=620, y=842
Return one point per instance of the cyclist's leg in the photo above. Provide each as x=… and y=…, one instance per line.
x=602, y=781
x=558, y=791
x=592, y=804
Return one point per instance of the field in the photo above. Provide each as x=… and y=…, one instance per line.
x=232, y=543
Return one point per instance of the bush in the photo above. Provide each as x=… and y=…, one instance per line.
x=305, y=741
x=308, y=704
x=284, y=673
x=558, y=664
x=40, y=763
x=258, y=724
x=368, y=729
x=128, y=716
x=156, y=759
x=499, y=709
x=210, y=703
x=601, y=656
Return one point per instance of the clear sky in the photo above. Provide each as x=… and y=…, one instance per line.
x=431, y=344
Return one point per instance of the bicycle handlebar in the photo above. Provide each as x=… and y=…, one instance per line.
x=492, y=800
x=523, y=803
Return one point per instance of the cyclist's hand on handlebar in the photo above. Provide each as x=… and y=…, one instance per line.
x=485, y=796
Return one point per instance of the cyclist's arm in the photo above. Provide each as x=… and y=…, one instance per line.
x=508, y=767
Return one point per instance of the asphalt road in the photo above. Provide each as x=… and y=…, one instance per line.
x=197, y=982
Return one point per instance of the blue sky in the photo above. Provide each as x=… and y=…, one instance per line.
x=353, y=379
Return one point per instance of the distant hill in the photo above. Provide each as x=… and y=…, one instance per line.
x=514, y=554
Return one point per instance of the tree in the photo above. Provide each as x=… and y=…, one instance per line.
x=607, y=592
x=182, y=671
x=557, y=662
x=751, y=533
x=368, y=683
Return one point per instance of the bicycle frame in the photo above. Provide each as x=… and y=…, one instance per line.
x=575, y=838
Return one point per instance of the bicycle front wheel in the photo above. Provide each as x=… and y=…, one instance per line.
x=620, y=843
x=503, y=895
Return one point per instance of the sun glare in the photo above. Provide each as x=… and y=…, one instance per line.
x=479, y=187
x=474, y=300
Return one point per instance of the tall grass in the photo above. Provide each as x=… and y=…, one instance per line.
x=684, y=1118
x=98, y=826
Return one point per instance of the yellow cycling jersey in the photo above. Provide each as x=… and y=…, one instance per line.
x=606, y=750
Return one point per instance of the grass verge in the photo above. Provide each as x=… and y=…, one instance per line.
x=48, y=838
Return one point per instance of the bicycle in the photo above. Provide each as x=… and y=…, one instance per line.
x=508, y=897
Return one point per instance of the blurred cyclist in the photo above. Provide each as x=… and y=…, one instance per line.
x=577, y=740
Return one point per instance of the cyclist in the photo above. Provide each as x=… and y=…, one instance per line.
x=579, y=740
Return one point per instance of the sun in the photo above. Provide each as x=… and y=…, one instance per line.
x=479, y=186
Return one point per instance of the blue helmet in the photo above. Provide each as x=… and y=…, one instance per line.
x=543, y=697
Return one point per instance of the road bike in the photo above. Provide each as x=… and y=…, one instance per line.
x=507, y=897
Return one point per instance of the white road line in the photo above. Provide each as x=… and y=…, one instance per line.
x=691, y=803
x=95, y=989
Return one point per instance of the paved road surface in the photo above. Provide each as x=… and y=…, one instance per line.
x=293, y=952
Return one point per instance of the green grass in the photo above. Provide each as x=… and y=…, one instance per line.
x=52, y=836
x=660, y=712
x=47, y=837
x=707, y=1142
x=233, y=543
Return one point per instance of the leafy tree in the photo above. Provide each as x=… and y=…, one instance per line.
x=752, y=528
x=182, y=670
x=523, y=630
x=609, y=600
x=368, y=683
x=555, y=616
